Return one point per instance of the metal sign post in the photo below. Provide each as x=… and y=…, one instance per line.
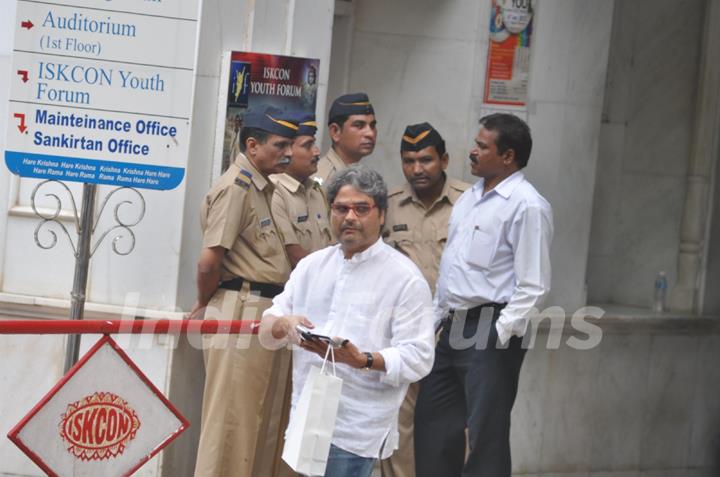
x=86, y=222
x=82, y=263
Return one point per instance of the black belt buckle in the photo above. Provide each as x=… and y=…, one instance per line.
x=476, y=311
x=234, y=284
x=265, y=290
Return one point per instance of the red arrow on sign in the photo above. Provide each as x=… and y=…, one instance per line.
x=27, y=24
x=21, y=116
x=24, y=75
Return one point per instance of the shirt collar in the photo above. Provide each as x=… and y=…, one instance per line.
x=408, y=193
x=335, y=159
x=258, y=179
x=366, y=254
x=289, y=182
x=503, y=189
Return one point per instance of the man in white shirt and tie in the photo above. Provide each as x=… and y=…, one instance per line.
x=374, y=301
x=494, y=271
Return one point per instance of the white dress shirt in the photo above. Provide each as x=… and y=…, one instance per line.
x=379, y=300
x=498, y=250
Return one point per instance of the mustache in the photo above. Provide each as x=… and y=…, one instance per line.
x=473, y=159
x=284, y=161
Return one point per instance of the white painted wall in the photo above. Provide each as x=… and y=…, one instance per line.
x=425, y=60
x=417, y=62
x=644, y=148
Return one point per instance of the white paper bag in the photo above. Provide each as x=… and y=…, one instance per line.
x=307, y=441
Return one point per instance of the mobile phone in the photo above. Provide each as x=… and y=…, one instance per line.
x=310, y=336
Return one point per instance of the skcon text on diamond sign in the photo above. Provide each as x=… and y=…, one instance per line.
x=104, y=418
x=101, y=92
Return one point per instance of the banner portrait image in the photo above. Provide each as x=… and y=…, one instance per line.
x=259, y=80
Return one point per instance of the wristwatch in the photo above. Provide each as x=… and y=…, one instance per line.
x=369, y=362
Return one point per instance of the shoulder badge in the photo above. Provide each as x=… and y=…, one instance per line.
x=243, y=182
x=302, y=218
x=400, y=228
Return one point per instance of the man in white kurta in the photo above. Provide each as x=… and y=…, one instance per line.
x=366, y=294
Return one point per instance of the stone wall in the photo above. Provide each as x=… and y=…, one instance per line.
x=643, y=403
x=645, y=144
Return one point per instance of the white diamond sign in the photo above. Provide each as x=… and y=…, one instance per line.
x=104, y=417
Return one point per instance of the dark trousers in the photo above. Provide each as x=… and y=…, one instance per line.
x=473, y=384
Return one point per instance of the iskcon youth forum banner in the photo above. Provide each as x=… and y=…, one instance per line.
x=258, y=80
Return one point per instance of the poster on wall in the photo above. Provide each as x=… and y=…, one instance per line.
x=508, y=59
x=258, y=80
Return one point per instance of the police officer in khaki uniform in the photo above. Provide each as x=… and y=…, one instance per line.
x=416, y=224
x=353, y=132
x=242, y=266
x=301, y=214
x=298, y=204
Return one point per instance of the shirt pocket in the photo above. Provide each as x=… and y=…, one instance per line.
x=441, y=236
x=402, y=239
x=482, y=247
x=303, y=229
x=325, y=230
x=266, y=238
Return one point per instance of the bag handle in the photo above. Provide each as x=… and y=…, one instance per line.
x=325, y=360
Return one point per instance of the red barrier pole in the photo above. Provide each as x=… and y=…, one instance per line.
x=52, y=327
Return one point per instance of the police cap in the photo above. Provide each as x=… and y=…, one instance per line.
x=273, y=121
x=420, y=136
x=349, y=104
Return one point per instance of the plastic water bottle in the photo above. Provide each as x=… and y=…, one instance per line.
x=660, y=298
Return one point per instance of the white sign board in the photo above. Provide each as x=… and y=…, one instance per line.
x=101, y=91
x=103, y=418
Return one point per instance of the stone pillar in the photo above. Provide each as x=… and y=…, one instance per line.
x=567, y=82
x=704, y=152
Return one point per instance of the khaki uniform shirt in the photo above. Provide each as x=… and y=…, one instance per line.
x=301, y=212
x=329, y=165
x=419, y=233
x=236, y=216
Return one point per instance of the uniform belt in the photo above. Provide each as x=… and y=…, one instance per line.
x=475, y=311
x=266, y=290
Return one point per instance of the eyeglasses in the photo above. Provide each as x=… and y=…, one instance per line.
x=361, y=210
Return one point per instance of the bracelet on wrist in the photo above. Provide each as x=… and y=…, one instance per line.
x=369, y=361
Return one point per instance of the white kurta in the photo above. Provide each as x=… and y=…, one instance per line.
x=380, y=301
